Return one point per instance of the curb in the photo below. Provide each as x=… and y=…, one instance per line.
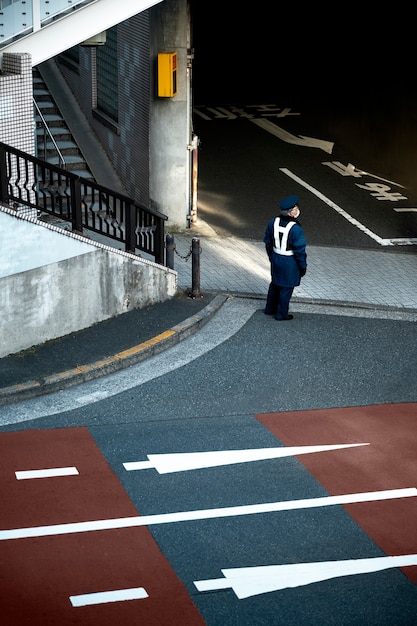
x=114, y=363
x=363, y=309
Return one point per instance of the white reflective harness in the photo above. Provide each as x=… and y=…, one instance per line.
x=281, y=238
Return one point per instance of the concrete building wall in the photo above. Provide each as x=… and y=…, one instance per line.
x=148, y=145
x=88, y=284
x=170, y=181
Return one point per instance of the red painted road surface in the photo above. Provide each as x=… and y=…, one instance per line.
x=39, y=575
x=43, y=579
x=389, y=462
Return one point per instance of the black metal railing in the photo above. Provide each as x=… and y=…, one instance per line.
x=26, y=181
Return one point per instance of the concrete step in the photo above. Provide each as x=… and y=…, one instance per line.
x=46, y=106
x=53, y=120
x=74, y=160
x=41, y=93
x=59, y=133
x=55, y=131
x=69, y=147
x=71, y=160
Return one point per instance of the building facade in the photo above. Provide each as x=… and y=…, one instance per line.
x=148, y=138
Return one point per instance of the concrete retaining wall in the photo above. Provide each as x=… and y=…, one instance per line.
x=93, y=283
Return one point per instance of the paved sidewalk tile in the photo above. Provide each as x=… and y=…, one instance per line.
x=371, y=277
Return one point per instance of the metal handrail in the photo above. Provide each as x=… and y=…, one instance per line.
x=27, y=182
x=46, y=128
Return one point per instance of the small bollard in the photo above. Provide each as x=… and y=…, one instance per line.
x=195, y=257
x=170, y=248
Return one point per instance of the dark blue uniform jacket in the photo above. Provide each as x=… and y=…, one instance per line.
x=285, y=270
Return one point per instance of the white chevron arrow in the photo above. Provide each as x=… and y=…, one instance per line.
x=252, y=581
x=307, y=142
x=184, y=461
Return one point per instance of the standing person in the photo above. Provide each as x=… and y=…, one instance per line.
x=285, y=245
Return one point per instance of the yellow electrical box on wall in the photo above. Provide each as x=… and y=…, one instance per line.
x=167, y=74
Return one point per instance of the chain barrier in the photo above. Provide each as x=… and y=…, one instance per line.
x=187, y=256
x=195, y=252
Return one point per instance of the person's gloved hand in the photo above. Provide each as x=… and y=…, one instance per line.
x=303, y=271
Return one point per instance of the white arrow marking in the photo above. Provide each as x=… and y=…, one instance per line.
x=307, y=142
x=187, y=516
x=252, y=581
x=179, y=462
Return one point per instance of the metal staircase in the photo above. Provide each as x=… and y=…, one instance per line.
x=54, y=141
x=51, y=26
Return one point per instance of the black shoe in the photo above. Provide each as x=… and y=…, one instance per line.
x=284, y=319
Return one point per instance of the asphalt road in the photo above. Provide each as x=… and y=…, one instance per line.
x=253, y=155
x=243, y=383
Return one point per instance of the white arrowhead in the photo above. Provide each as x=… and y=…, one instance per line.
x=252, y=581
x=309, y=142
x=184, y=461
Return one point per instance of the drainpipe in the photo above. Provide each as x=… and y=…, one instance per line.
x=192, y=152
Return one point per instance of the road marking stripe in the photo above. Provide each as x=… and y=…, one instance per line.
x=284, y=135
x=186, y=516
x=46, y=473
x=186, y=461
x=251, y=581
x=119, y=595
x=338, y=209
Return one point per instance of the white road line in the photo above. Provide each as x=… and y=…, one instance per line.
x=410, y=241
x=185, y=461
x=46, y=473
x=338, y=209
x=363, y=173
x=301, y=140
x=102, y=597
x=203, y=514
x=251, y=581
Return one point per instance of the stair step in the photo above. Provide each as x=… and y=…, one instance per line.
x=70, y=159
x=52, y=119
x=41, y=91
x=54, y=130
x=45, y=104
x=64, y=146
x=59, y=133
x=74, y=160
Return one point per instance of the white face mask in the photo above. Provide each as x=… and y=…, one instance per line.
x=297, y=214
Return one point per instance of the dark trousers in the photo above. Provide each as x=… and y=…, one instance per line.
x=278, y=301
